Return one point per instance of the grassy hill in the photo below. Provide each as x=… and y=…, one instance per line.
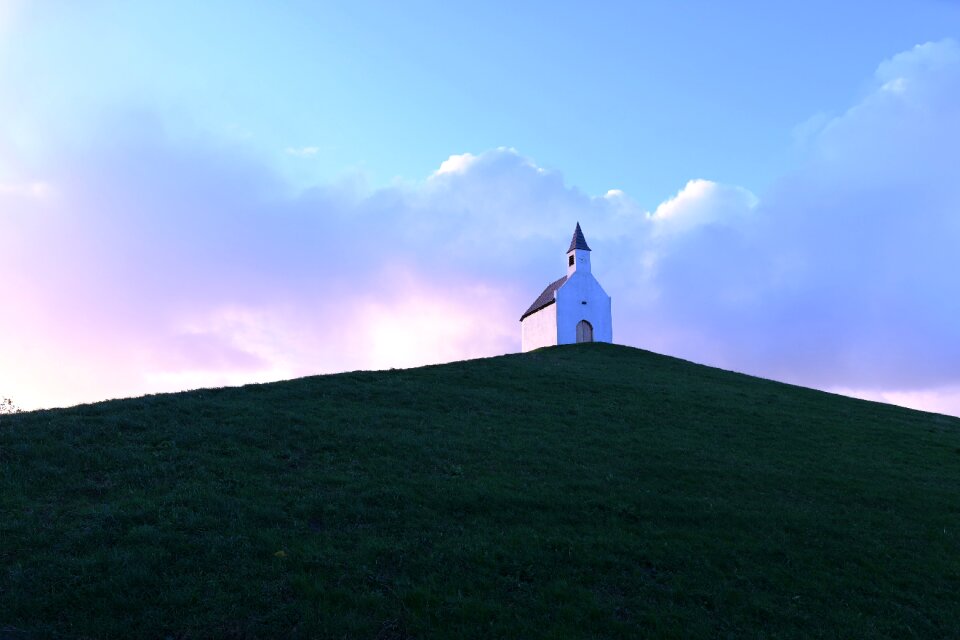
x=582, y=491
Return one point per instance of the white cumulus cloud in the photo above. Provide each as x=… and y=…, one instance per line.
x=702, y=202
x=457, y=163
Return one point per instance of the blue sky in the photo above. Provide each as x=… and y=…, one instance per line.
x=634, y=96
x=190, y=191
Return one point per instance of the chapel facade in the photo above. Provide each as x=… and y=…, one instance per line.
x=573, y=309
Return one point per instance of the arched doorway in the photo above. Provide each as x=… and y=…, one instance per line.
x=584, y=331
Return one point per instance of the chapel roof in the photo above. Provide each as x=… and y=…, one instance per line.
x=548, y=296
x=578, y=241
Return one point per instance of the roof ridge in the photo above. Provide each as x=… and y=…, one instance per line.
x=546, y=298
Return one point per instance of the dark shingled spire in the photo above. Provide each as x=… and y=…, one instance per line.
x=578, y=241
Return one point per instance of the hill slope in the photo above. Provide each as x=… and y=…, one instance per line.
x=589, y=490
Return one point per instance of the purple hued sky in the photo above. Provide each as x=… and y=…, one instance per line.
x=219, y=193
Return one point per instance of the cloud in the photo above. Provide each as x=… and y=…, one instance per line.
x=702, y=202
x=302, y=152
x=166, y=261
x=455, y=164
x=162, y=264
x=844, y=272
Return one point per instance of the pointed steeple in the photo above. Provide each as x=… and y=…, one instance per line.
x=578, y=241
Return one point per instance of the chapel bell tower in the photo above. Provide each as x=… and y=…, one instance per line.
x=578, y=255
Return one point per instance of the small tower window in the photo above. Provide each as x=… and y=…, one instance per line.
x=570, y=263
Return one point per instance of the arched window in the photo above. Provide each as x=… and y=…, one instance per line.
x=584, y=331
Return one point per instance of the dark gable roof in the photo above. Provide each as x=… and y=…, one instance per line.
x=546, y=298
x=578, y=241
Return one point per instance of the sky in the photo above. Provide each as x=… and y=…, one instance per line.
x=208, y=194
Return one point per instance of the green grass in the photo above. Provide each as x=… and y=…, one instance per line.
x=583, y=491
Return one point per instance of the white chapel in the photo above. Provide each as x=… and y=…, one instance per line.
x=574, y=308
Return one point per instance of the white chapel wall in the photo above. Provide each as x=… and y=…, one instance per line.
x=539, y=329
x=582, y=287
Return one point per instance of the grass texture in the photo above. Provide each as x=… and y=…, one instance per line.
x=588, y=491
